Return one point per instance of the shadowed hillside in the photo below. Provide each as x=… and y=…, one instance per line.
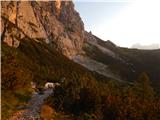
x=33, y=61
x=122, y=63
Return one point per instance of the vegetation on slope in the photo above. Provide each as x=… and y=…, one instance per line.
x=109, y=101
x=15, y=80
x=132, y=63
x=33, y=61
x=83, y=95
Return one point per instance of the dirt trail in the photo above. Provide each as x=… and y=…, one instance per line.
x=33, y=109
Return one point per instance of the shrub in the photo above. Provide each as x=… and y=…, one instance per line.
x=46, y=113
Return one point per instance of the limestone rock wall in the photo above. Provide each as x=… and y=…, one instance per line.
x=55, y=22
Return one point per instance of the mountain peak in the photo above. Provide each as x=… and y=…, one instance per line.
x=55, y=22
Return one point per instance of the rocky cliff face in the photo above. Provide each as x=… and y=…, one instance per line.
x=60, y=26
x=55, y=22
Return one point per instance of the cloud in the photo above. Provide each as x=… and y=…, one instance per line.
x=152, y=46
x=139, y=22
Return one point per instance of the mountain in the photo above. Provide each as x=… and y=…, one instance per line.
x=59, y=25
x=46, y=41
x=30, y=54
x=56, y=23
x=119, y=63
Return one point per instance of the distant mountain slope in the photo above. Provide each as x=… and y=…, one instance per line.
x=119, y=63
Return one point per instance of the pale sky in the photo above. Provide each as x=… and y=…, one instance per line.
x=124, y=22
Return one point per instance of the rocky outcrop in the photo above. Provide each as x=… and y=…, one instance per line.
x=91, y=42
x=96, y=66
x=55, y=22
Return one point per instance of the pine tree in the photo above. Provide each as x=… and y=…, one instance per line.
x=143, y=87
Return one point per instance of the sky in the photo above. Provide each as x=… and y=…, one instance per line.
x=124, y=22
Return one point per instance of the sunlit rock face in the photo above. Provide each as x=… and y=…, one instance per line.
x=58, y=5
x=55, y=22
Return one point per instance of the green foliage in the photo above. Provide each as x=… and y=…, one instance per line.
x=107, y=101
x=14, y=74
x=12, y=99
x=83, y=94
x=34, y=61
x=143, y=87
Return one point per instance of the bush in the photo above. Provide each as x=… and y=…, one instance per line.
x=46, y=113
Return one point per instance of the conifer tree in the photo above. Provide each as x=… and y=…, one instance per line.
x=143, y=87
